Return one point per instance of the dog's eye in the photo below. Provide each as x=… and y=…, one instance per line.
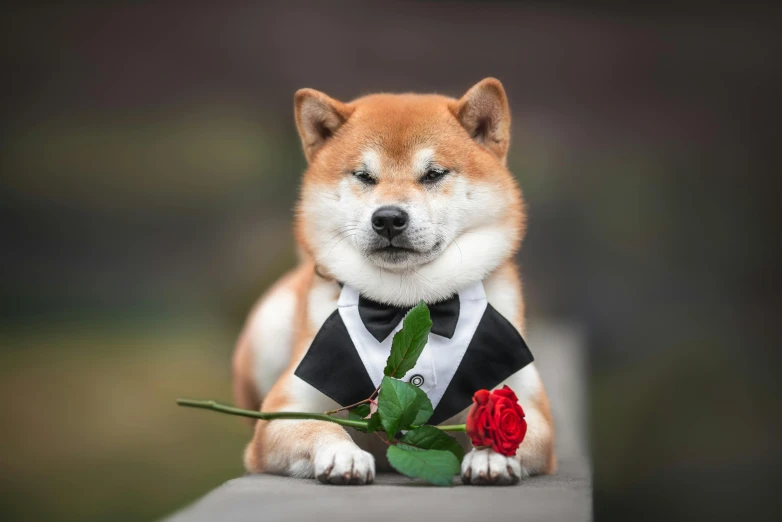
x=365, y=177
x=433, y=175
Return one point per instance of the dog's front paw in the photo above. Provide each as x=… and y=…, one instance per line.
x=344, y=463
x=486, y=467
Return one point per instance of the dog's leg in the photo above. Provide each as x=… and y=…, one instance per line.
x=305, y=448
x=264, y=347
x=535, y=456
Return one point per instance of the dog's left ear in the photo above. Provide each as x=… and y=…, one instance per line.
x=484, y=112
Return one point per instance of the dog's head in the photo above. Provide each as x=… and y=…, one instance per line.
x=406, y=196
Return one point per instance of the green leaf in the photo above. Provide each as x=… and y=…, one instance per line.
x=425, y=409
x=430, y=438
x=374, y=423
x=399, y=404
x=434, y=466
x=359, y=412
x=409, y=342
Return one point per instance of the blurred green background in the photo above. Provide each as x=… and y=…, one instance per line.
x=150, y=164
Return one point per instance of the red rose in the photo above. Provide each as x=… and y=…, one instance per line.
x=497, y=420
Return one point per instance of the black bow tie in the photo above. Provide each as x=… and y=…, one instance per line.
x=380, y=319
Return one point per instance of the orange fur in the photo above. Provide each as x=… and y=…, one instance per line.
x=244, y=388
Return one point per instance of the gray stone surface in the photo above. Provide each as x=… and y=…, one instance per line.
x=565, y=496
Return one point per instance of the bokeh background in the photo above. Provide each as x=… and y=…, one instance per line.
x=150, y=162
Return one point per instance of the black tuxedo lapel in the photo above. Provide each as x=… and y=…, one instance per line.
x=496, y=352
x=333, y=366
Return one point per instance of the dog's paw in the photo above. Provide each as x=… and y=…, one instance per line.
x=486, y=467
x=344, y=463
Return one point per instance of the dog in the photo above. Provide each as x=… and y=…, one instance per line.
x=406, y=198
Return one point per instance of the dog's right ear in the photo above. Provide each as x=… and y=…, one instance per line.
x=318, y=117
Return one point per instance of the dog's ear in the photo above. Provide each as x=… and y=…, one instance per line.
x=317, y=117
x=484, y=112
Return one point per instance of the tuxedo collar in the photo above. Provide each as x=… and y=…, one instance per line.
x=345, y=360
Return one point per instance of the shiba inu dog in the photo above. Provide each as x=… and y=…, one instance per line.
x=406, y=198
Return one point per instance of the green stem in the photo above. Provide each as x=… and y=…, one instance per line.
x=452, y=427
x=216, y=406
x=224, y=408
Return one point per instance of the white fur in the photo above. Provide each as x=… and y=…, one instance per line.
x=271, y=331
x=422, y=159
x=505, y=298
x=487, y=467
x=469, y=225
x=305, y=397
x=344, y=463
x=322, y=302
x=301, y=468
x=469, y=258
x=371, y=161
x=271, y=338
x=525, y=383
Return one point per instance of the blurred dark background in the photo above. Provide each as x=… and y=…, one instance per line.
x=150, y=162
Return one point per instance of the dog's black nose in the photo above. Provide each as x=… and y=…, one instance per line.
x=389, y=221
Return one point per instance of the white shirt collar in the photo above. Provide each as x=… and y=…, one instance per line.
x=441, y=356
